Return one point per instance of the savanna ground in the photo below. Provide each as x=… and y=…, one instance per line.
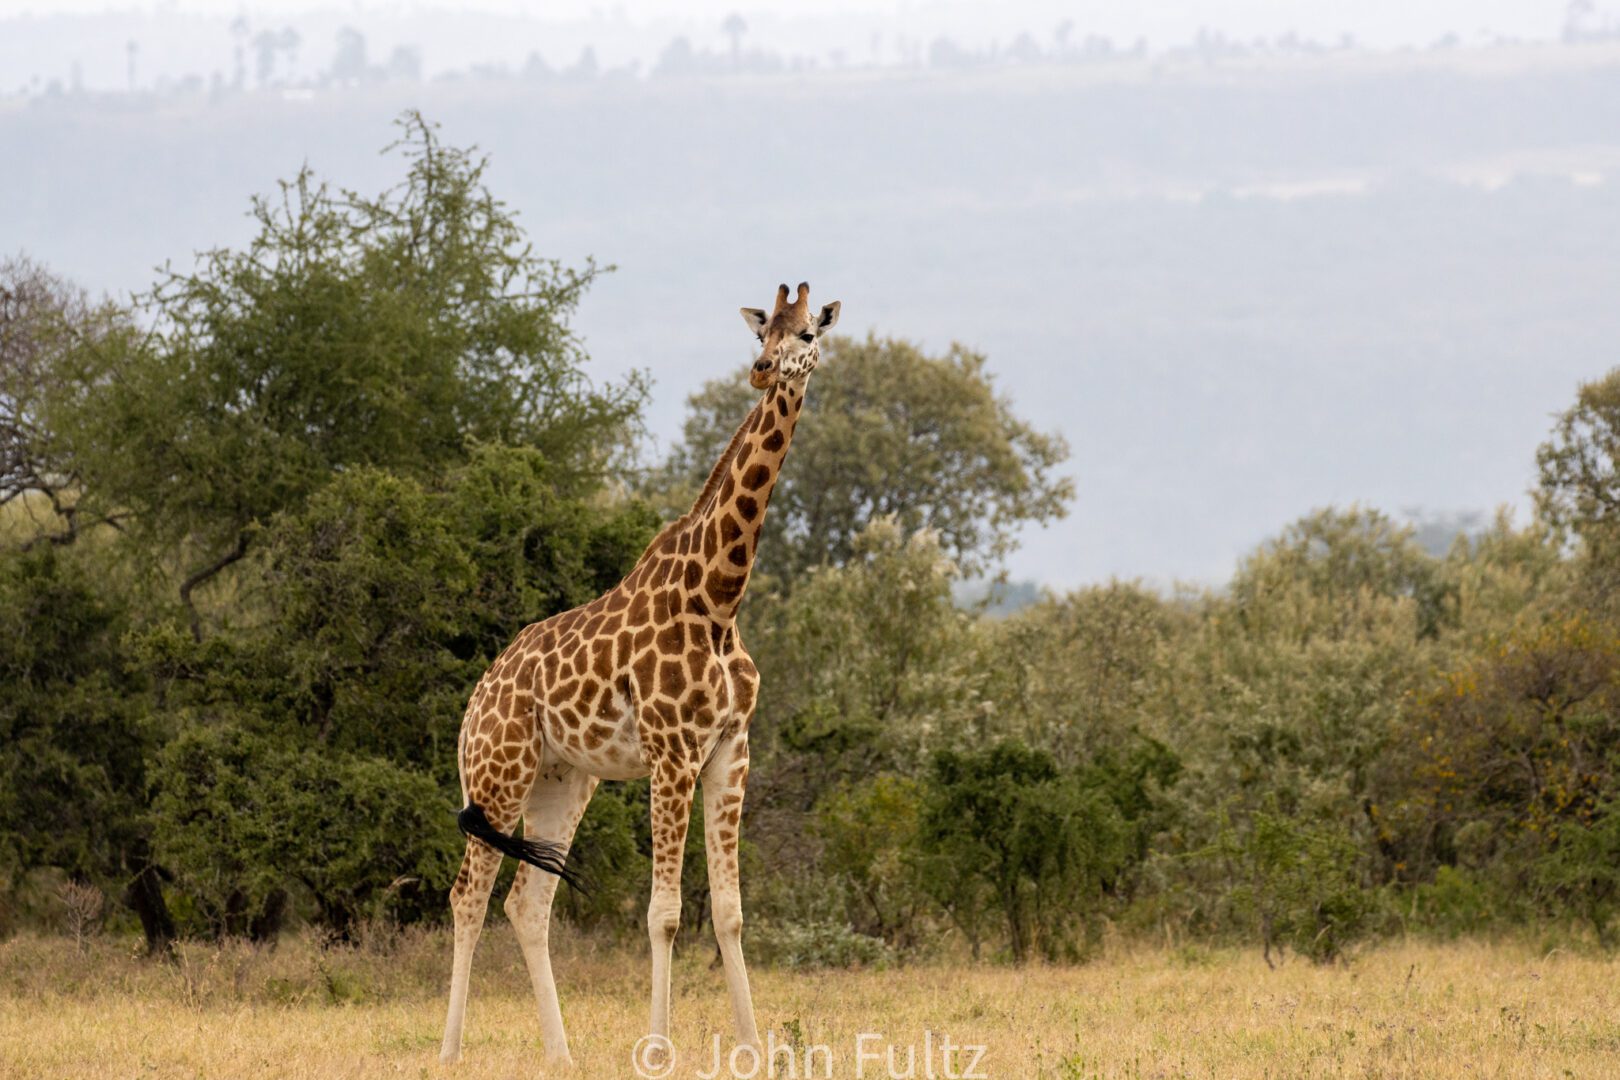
x=1504, y=1009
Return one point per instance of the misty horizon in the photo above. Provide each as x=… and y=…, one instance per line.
x=1243, y=281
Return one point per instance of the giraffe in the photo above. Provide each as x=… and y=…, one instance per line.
x=649, y=679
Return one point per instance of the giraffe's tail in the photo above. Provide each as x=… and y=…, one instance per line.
x=541, y=854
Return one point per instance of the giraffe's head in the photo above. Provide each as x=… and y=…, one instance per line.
x=790, y=338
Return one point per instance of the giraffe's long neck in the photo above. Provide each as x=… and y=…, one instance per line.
x=725, y=523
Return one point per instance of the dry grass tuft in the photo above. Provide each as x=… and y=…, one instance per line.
x=1407, y=1010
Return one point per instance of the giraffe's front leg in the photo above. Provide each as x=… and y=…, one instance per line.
x=671, y=799
x=723, y=780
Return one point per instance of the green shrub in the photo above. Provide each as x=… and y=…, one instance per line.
x=1458, y=901
x=248, y=824
x=1005, y=828
x=816, y=944
x=1579, y=874
x=614, y=867
x=868, y=833
x=1298, y=882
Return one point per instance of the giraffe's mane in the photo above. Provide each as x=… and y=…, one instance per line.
x=711, y=486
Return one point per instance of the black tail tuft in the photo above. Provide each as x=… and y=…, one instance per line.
x=542, y=854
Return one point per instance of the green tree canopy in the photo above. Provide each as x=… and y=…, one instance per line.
x=248, y=821
x=1081, y=674
x=860, y=656
x=74, y=733
x=389, y=330
x=1332, y=572
x=1039, y=843
x=895, y=433
x=42, y=316
x=368, y=612
x=1578, y=494
x=1579, y=465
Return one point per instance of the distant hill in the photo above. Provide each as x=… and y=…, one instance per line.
x=998, y=598
x=1241, y=288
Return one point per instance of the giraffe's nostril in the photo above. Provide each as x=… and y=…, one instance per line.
x=762, y=365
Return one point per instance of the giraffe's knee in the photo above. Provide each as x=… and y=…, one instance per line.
x=517, y=905
x=664, y=916
x=467, y=912
x=462, y=891
x=529, y=901
x=470, y=893
x=728, y=917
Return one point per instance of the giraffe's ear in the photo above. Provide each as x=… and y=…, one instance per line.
x=829, y=317
x=756, y=320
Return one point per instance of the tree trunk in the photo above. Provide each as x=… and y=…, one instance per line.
x=1016, y=935
x=144, y=895
x=265, y=927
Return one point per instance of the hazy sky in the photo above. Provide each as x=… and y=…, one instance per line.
x=1240, y=288
x=449, y=36
x=1377, y=22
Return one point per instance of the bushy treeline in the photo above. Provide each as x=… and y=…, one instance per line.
x=263, y=530
x=1352, y=737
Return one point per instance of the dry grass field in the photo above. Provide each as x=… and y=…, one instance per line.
x=1398, y=1010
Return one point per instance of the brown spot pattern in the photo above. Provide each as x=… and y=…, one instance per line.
x=651, y=673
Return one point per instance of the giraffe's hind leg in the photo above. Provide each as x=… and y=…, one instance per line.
x=469, y=897
x=497, y=779
x=555, y=805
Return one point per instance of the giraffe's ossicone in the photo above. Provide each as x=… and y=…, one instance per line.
x=649, y=679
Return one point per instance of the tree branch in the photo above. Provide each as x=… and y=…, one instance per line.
x=203, y=575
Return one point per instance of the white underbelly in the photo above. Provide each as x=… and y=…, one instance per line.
x=605, y=747
x=619, y=765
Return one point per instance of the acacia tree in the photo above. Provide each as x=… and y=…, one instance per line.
x=1082, y=674
x=374, y=421
x=1579, y=483
x=41, y=316
x=1513, y=765
x=374, y=607
x=897, y=433
x=73, y=773
x=861, y=655
x=393, y=330
x=1004, y=826
x=244, y=818
x=380, y=601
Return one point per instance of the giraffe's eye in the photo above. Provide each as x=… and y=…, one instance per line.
x=807, y=336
